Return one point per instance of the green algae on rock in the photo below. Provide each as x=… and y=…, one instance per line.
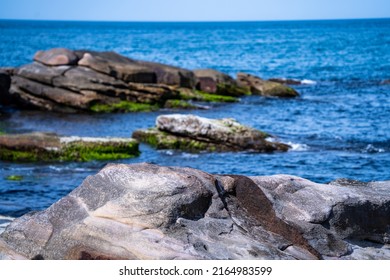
x=38, y=146
x=198, y=95
x=123, y=106
x=14, y=178
x=194, y=134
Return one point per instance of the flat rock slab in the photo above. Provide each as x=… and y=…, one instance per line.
x=145, y=211
x=193, y=133
x=51, y=147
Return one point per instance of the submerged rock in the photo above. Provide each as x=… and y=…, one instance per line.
x=51, y=147
x=193, y=133
x=145, y=211
x=263, y=87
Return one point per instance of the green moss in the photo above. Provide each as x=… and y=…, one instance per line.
x=77, y=151
x=198, y=95
x=232, y=90
x=163, y=140
x=81, y=151
x=14, y=178
x=123, y=106
x=208, y=97
x=11, y=155
x=179, y=104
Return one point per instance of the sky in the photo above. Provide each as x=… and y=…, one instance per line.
x=192, y=10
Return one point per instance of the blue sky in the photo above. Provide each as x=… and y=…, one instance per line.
x=192, y=10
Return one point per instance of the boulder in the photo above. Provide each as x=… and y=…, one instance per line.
x=193, y=133
x=145, y=211
x=51, y=147
x=57, y=56
x=213, y=81
x=263, y=87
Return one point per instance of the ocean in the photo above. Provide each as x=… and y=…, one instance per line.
x=339, y=126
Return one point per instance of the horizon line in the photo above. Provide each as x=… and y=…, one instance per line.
x=192, y=21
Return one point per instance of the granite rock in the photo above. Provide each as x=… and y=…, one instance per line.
x=145, y=211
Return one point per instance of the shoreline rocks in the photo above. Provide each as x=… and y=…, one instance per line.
x=68, y=81
x=31, y=147
x=145, y=211
x=194, y=134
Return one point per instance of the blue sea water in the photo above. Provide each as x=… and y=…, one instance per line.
x=338, y=127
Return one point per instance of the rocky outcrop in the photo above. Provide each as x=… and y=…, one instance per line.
x=145, y=211
x=69, y=81
x=213, y=81
x=193, y=133
x=51, y=147
x=265, y=88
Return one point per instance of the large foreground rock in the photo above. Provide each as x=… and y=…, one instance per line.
x=51, y=147
x=265, y=88
x=193, y=133
x=145, y=211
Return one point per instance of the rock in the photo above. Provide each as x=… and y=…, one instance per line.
x=50, y=147
x=57, y=56
x=193, y=133
x=6, y=253
x=265, y=88
x=386, y=82
x=170, y=75
x=5, y=83
x=136, y=71
x=285, y=81
x=334, y=218
x=145, y=211
x=213, y=81
x=127, y=70
x=68, y=81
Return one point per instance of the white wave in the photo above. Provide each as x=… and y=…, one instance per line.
x=308, y=82
x=372, y=149
x=187, y=155
x=298, y=147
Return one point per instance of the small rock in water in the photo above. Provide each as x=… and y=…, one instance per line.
x=194, y=133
